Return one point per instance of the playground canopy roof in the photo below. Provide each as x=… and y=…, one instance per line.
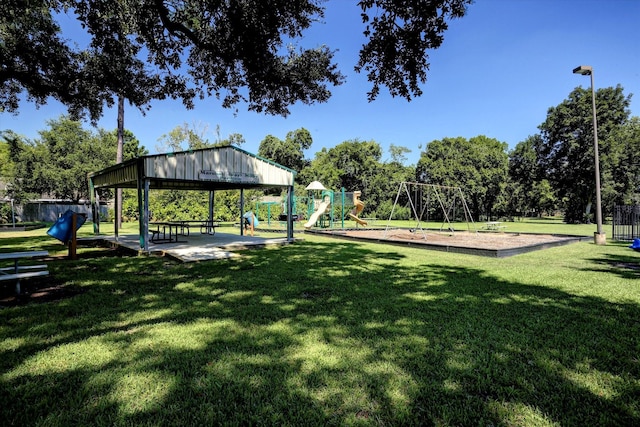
x=216, y=168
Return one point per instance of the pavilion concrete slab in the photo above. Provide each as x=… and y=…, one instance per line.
x=196, y=247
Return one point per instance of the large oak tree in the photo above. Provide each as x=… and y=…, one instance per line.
x=246, y=51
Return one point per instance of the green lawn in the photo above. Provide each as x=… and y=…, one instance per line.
x=329, y=332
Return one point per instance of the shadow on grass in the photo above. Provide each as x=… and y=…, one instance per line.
x=40, y=242
x=316, y=334
x=625, y=265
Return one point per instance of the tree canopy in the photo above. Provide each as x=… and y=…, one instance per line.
x=194, y=137
x=246, y=51
x=290, y=152
x=478, y=165
x=622, y=180
x=527, y=191
x=350, y=164
x=565, y=148
x=56, y=165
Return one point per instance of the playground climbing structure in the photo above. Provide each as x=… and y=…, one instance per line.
x=357, y=209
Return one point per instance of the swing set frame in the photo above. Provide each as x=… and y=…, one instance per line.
x=447, y=197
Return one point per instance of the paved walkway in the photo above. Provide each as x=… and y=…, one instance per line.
x=199, y=247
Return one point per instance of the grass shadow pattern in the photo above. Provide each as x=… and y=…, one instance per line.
x=320, y=333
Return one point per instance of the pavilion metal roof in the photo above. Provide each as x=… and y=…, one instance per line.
x=215, y=168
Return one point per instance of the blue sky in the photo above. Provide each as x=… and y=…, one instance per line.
x=498, y=71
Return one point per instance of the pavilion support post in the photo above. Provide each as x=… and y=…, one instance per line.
x=342, y=213
x=143, y=206
x=242, y=211
x=95, y=207
x=145, y=218
x=290, y=215
x=140, y=198
x=96, y=214
x=117, y=220
x=212, y=199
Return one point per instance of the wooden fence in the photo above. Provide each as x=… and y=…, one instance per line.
x=49, y=210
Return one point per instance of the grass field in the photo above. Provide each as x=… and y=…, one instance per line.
x=329, y=332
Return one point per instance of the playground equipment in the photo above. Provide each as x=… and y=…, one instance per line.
x=358, y=206
x=324, y=205
x=423, y=198
x=294, y=209
x=319, y=209
x=322, y=212
x=64, y=229
x=268, y=205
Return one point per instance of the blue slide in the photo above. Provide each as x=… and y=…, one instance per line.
x=61, y=230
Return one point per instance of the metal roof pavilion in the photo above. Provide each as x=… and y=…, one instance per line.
x=208, y=169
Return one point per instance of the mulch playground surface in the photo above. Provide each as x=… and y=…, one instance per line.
x=483, y=240
x=491, y=244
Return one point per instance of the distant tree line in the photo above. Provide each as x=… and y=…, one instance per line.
x=547, y=173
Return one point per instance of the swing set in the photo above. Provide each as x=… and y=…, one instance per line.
x=426, y=201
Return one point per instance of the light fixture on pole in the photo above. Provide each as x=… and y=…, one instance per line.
x=600, y=238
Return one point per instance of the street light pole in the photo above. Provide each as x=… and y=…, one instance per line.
x=600, y=238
